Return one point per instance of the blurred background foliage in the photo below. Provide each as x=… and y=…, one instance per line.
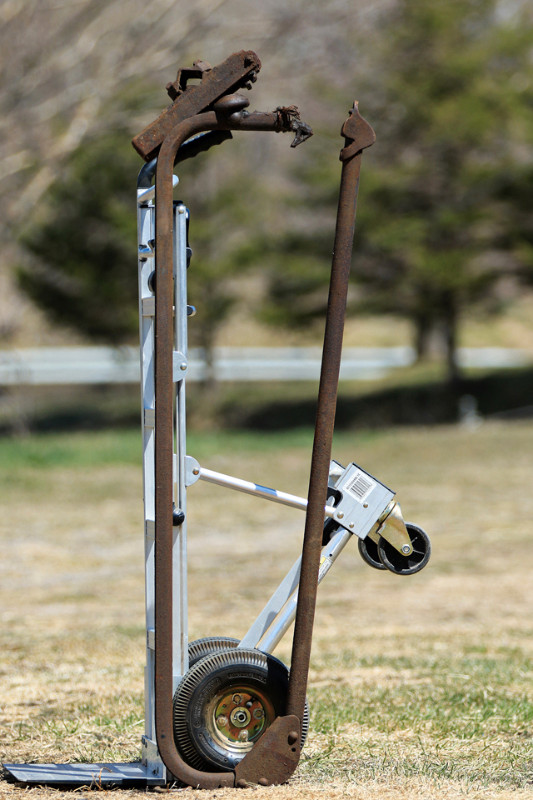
x=441, y=225
x=80, y=244
x=444, y=219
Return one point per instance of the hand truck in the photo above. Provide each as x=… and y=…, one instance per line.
x=221, y=711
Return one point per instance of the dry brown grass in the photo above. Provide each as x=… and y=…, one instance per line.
x=72, y=612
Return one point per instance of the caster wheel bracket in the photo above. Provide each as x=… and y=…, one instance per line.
x=393, y=529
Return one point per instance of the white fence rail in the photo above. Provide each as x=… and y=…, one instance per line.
x=89, y=365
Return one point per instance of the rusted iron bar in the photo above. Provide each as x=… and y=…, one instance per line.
x=237, y=71
x=358, y=135
x=228, y=114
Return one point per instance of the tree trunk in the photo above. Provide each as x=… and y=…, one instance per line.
x=423, y=330
x=450, y=321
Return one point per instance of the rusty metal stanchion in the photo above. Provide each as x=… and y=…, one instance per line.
x=358, y=136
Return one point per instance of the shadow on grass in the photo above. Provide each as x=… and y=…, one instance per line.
x=68, y=408
x=506, y=394
x=419, y=400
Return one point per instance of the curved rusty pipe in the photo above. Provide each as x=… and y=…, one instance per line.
x=280, y=120
x=164, y=400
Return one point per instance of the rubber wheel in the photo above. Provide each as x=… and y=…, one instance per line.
x=406, y=565
x=214, y=644
x=225, y=703
x=211, y=644
x=368, y=550
x=200, y=648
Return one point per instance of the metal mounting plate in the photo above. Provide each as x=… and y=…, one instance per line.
x=364, y=499
x=90, y=775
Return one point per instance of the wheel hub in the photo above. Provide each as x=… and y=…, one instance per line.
x=238, y=718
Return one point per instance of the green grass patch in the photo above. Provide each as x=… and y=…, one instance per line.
x=466, y=716
x=424, y=680
x=463, y=696
x=82, y=449
x=78, y=449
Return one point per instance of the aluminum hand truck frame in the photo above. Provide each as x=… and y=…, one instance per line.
x=218, y=711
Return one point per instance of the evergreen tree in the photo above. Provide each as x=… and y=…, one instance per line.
x=441, y=218
x=82, y=242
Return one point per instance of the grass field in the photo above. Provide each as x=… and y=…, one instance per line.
x=420, y=687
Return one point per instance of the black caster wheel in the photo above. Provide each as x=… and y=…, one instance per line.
x=406, y=565
x=225, y=703
x=368, y=550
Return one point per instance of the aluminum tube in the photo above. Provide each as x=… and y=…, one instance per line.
x=256, y=489
x=144, y=195
x=180, y=654
x=281, y=624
